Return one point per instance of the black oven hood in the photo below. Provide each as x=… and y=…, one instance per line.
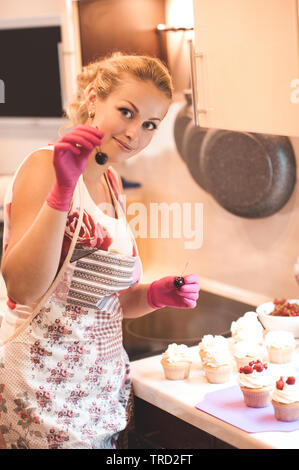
x=151, y=334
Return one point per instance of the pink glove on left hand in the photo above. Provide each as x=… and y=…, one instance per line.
x=162, y=293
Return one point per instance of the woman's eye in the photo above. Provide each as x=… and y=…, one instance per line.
x=126, y=112
x=151, y=126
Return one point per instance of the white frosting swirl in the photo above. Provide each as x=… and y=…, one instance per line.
x=216, y=350
x=255, y=379
x=280, y=339
x=217, y=358
x=176, y=353
x=289, y=394
x=250, y=349
x=210, y=342
x=247, y=327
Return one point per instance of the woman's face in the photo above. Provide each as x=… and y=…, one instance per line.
x=129, y=117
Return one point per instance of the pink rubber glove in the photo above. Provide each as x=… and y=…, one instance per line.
x=162, y=293
x=70, y=162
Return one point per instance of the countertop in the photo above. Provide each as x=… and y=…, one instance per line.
x=180, y=397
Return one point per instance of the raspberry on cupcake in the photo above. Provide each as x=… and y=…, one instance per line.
x=247, y=351
x=285, y=399
x=256, y=385
x=176, y=362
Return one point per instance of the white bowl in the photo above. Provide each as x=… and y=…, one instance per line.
x=274, y=323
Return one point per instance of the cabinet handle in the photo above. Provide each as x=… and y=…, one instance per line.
x=193, y=79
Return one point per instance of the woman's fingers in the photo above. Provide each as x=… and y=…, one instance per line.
x=90, y=129
x=190, y=288
x=191, y=279
x=190, y=303
x=77, y=139
x=67, y=146
x=191, y=295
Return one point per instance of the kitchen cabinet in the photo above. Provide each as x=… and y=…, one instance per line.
x=245, y=59
x=154, y=428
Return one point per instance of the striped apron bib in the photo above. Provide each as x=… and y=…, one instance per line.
x=64, y=375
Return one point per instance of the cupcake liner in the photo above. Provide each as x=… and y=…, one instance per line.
x=218, y=375
x=255, y=397
x=178, y=371
x=286, y=412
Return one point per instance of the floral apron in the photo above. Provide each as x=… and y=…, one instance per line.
x=64, y=375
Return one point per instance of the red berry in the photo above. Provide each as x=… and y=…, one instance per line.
x=290, y=380
x=247, y=369
x=259, y=367
x=280, y=384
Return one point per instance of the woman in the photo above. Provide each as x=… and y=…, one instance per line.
x=72, y=270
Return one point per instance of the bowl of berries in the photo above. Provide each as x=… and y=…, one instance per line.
x=280, y=315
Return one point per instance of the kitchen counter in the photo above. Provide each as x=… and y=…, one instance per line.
x=180, y=397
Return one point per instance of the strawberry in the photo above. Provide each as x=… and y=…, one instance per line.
x=291, y=380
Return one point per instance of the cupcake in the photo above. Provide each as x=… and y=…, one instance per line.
x=255, y=383
x=247, y=327
x=210, y=342
x=248, y=351
x=216, y=359
x=285, y=400
x=176, y=362
x=281, y=346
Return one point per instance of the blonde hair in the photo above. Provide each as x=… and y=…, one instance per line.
x=107, y=73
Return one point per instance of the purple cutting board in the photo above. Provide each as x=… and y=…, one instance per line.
x=228, y=405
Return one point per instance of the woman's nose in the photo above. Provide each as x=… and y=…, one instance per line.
x=132, y=132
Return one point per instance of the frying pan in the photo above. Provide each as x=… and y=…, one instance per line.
x=250, y=175
x=183, y=118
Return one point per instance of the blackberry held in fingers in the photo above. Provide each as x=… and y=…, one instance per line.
x=178, y=282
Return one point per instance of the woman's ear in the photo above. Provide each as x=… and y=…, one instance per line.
x=90, y=97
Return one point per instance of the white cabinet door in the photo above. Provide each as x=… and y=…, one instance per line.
x=247, y=65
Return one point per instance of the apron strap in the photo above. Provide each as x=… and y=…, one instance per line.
x=120, y=212
x=58, y=277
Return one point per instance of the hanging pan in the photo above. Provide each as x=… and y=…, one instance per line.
x=250, y=175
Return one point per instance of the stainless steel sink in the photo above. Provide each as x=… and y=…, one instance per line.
x=151, y=334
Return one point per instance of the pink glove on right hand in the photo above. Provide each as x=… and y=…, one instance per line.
x=70, y=162
x=162, y=293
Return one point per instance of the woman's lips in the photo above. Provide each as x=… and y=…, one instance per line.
x=123, y=146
